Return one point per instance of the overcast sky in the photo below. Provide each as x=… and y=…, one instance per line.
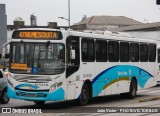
x=50, y=10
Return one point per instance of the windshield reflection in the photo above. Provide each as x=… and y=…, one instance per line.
x=37, y=58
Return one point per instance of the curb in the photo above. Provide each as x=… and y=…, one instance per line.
x=149, y=99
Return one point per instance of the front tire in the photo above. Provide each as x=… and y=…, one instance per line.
x=4, y=98
x=84, y=96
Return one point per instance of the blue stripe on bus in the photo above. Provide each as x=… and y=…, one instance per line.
x=119, y=71
x=99, y=75
x=27, y=85
x=56, y=95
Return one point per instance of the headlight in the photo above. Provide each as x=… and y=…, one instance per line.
x=53, y=87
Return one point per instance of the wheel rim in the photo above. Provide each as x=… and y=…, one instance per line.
x=133, y=89
x=84, y=95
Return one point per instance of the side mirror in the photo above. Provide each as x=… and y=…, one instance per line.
x=72, y=54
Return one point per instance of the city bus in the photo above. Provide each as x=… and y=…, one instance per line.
x=57, y=65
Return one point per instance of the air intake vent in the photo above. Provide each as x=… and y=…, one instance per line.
x=32, y=79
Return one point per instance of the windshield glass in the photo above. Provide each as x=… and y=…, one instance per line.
x=37, y=58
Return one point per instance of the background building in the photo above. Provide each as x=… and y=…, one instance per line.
x=120, y=24
x=3, y=28
x=148, y=30
x=104, y=23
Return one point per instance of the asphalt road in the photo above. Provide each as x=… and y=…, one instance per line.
x=96, y=103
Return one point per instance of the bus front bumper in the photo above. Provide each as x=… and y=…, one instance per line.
x=56, y=95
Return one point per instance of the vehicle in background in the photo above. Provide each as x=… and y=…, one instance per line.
x=3, y=88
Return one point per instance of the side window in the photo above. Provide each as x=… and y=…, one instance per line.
x=124, y=52
x=1, y=75
x=88, y=50
x=113, y=51
x=152, y=52
x=143, y=52
x=134, y=52
x=101, y=50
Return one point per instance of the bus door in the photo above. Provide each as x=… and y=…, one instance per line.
x=72, y=64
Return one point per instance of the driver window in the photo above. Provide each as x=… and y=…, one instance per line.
x=73, y=44
x=72, y=64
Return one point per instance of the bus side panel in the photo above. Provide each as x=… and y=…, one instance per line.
x=100, y=67
x=74, y=86
x=119, y=77
x=71, y=90
x=150, y=68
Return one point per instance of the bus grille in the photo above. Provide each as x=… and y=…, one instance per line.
x=32, y=79
x=25, y=94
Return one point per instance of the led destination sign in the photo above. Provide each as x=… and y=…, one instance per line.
x=37, y=34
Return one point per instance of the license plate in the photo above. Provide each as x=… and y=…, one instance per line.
x=31, y=95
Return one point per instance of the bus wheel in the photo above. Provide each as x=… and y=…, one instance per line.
x=4, y=98
x=84, y=96
x=39, y=102
x=133, y=89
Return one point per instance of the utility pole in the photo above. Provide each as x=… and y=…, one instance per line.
x=69, y=15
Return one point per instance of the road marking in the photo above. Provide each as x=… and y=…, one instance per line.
x=149, y=99
x=153, y=91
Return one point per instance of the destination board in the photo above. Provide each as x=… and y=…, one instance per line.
x=37, y=34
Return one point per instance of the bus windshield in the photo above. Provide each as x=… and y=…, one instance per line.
x=37, y=58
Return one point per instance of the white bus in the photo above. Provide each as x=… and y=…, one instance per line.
x=52, y=65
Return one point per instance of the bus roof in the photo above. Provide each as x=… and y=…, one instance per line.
x=97, y=34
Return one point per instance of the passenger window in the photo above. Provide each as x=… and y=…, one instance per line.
x=143, y=52
x=113, y=51
x=152, y=53
x=124, y=52
x=134, y=52
x=101, y=50
x=1, y=75
x=88, y=50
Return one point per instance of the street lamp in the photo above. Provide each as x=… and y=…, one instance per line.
x=68, y=14
x=63, y=18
